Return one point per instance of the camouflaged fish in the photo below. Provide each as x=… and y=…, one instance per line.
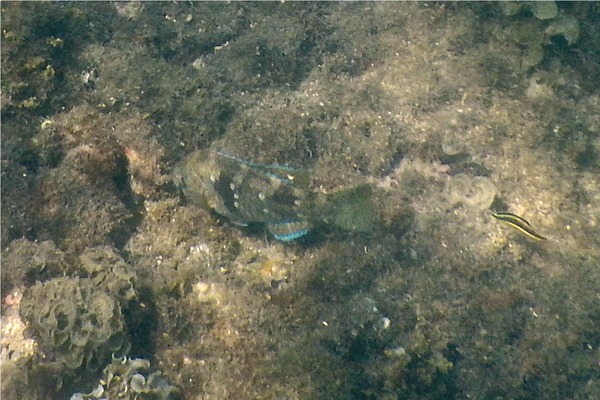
x=276, y=196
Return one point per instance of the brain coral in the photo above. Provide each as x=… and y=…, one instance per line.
x=76, y=322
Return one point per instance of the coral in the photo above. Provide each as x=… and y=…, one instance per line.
x=566, y=26
x=472, y=192
x=75, y=322
x=25, y=262
x=107, y=269
x=539, y=36
x=127, y=378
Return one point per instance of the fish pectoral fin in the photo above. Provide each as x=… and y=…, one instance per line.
x=241, y=224
x=289, y=230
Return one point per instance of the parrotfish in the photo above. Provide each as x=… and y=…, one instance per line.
x=277, y=196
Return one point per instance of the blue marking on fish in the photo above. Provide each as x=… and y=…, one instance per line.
x=283, y=172
x=291, y=230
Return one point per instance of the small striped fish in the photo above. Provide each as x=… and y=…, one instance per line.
x=519, y=223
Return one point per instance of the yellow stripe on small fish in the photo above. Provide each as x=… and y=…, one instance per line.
x=520, y=224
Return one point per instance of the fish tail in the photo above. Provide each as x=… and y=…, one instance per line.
x=351, y=209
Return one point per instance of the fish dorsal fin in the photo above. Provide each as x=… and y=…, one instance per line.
x=284, y=173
